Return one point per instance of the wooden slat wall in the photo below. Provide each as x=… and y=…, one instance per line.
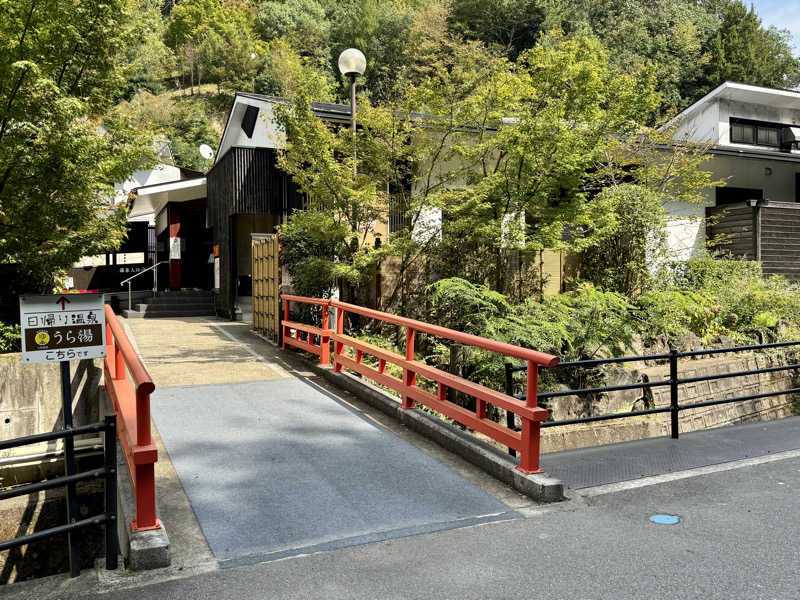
x=245, y=181
x=731, y=226
x=773, y=226
x=780, y=239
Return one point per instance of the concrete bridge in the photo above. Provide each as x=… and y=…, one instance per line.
x=271, y=481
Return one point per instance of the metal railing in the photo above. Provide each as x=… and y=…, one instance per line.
x=131, y=401
x=155, y=280
x=109, y=472
x=673, y=382
x=525, y=441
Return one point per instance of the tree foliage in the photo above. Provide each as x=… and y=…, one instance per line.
x=215, y=42
x=741, y=49
x=59, y=72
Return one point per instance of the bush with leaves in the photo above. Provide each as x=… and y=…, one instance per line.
x=10, y=338
x=715, y=297
x=584, y=323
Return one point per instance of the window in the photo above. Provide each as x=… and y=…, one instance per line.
x=768, y=136
x=755, y=133
x=735, y=195
x=397, y=214
x=743, y=134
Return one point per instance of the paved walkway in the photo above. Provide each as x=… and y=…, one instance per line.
x=588, y=467
x=274, y=466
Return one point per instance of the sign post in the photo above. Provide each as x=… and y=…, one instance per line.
x=61, y=328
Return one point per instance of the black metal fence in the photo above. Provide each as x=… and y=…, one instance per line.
x=108, y=471
x=673, y=382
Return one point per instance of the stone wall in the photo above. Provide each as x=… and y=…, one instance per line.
x=634, y=428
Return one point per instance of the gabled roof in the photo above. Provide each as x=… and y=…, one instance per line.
x=335, y=113
x=338, y=113
x=324, y=110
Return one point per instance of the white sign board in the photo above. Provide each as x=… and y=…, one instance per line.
x=174, y=248
x=62, y=327
x=130, y=258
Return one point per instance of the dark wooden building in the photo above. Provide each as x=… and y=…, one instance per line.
x=247, y=194
x=204, y=227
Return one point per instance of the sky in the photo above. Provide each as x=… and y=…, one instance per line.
x=783, y=14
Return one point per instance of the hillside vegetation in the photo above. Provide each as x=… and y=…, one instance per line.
x=212, y=48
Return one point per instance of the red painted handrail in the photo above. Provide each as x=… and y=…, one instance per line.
x=131, y=400
x=531, y=415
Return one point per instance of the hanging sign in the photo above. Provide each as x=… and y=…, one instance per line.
x=62, y=327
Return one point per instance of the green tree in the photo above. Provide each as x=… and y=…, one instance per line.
x=343, y=207
x=59, y=71
x=641, y=176
x=150, y=62
x=502, y=151
x=692, y=46
x=379, y=28
x=743, y=50
x=535, y=132
x=668, y=36
x=216, y=42
x=183, y=120
x=304, y=23
x=511, y=25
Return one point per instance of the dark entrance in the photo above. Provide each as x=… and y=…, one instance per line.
x=735, y=195
x=185, y=246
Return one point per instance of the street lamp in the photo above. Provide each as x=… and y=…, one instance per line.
x=352, y=63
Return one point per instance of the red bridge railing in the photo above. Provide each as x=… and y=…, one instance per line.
x=129, y=385
x=317, y=341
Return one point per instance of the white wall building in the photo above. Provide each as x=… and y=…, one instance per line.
x=754, y=138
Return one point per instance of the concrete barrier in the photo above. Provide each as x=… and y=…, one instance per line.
x=30, y=400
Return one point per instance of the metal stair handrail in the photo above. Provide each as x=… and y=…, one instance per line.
x=155, y=280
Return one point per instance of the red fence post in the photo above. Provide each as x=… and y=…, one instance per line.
x=338, y=347
x=285, y=327
x=324, y=339
x=409, y=376
x=529, y=456
x=145, y=499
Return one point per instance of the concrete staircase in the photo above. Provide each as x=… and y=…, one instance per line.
x=194, y=303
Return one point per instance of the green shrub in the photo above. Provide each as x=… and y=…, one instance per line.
x=712, y=297
x=673, y=312
x=10, y=338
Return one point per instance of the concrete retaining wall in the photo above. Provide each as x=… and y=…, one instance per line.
x=30, y=400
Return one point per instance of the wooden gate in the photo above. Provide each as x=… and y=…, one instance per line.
x=266, y=284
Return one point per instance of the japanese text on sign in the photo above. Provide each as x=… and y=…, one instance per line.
x=58, y=328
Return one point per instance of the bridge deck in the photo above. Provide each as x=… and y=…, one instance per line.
x=277, y=466
x=587, y=467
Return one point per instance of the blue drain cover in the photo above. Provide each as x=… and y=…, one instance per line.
x=665, y=519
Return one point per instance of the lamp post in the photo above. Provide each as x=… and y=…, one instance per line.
x=352, y=63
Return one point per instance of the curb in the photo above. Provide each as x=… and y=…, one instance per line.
x=539, y=486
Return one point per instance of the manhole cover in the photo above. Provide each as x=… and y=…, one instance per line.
x=665, y=519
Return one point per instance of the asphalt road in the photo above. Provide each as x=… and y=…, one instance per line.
x=737, y=538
